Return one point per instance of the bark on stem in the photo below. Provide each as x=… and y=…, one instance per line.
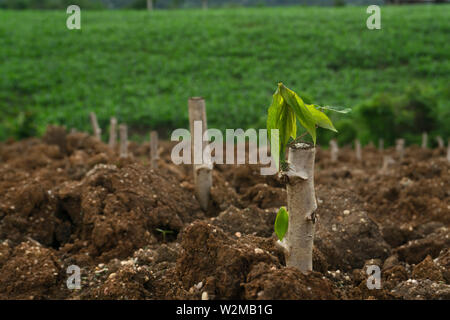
x=154, y=156
x=123, y=141
x=202, y=171
x=95, y=127
x=301, y=200
x=113, y=133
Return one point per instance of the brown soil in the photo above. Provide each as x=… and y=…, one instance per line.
x=137, y=233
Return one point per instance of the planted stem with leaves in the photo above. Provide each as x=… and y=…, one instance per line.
x=294, y=225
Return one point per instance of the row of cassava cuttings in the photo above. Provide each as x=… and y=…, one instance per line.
x=123, y=133
x=388, y=160
x=295, y=224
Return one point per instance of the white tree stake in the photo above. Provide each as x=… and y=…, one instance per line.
x=95, y=128
x=400, y=148
x=334, y=149
x=380, y=144
x=440, y=142
x=358, y=150
x=301, y=201
x=113, y=133
x=424, y=140
x=154, y=156
x=203, y=171
x=123, y=141
x=387, y=161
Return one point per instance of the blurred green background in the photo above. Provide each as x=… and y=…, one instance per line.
x=143, y=66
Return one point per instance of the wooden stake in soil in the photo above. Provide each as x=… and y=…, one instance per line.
x=440, y=142
x=205, y=4
x=380, y=144
x=154, y=156
x=424, y=140
x=400, y=148
x=113, y=133
x=123, y=141
x=301, y=201
x=95, y=128
x=387, y=162
x=334, y=150
x=358, y=150
x=202, y=169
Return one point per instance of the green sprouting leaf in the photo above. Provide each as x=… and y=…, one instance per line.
x=286, y=108
x=321, y=118
x=273, y=117
x=164, y=231
x=281, y=223
x=288, y=126
x=335, y=109
x=281, y=117
x=273, y=112
x=304, y=116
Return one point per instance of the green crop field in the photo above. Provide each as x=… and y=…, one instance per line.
x=141, y=67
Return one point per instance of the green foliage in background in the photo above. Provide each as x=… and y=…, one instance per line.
x=50, y=4
x=339, y=3
x=142, y=66
x=22, y=125
x=420, y=109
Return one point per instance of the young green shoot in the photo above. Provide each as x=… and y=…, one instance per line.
x=286, y=109
x=164, y=233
